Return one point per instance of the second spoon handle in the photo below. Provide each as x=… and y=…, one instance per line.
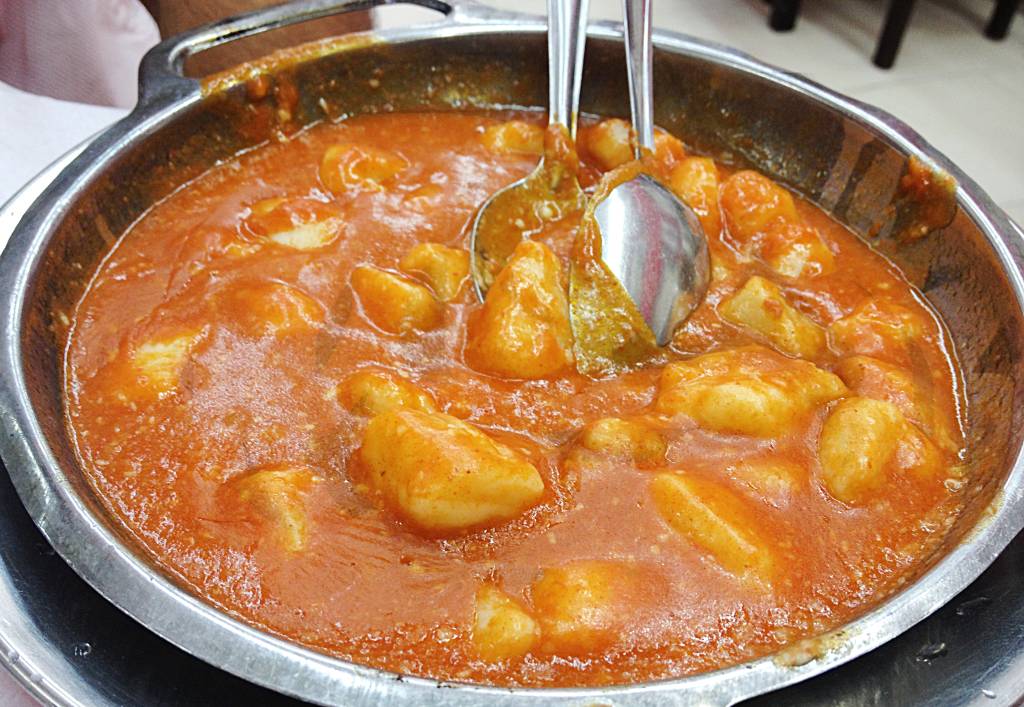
x=567, y=38
x=636, y=24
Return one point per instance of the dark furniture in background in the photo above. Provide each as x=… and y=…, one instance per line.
x=784, y=14
x=897, y=17
x=999, y=24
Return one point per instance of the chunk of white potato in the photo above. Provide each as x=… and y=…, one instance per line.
x=632, y=440
x=609, y=143
x=751, y=202
x=279, y=494
x=760, y=305
x=668, y=149
x=716, y=520
x=877, y=327
x=872, y=378
x=373, y=391
x=747, y=390
x=445, y=270
x=443, y=475
x=308, y=236
x=395, y=303
x=157, y=362
x=270, y=308
x=584, y=605
x=862, y=442
x=300, y=223
x=348, y=167
x=794, y=249
x=695, y=181
x=502, y=628
x=772, y=479
x=514, y=137
x=523, y=331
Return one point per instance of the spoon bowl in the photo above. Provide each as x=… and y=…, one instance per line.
x=551, y=191
x=650, y=240
x=655, y=246
x=519, y=211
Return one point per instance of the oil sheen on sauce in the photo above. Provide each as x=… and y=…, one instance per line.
x=367, y=588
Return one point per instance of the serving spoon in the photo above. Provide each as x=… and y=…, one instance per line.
x=551, y=191
x=650, y=240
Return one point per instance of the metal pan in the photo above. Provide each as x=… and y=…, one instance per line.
x=845, y=156
x=86, y=653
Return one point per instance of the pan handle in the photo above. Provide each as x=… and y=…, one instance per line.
x=161, y=75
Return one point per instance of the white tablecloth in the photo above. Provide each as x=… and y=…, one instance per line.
x=34, y=131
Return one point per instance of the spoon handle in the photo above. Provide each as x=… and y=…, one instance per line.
x=636, y=22
x=567, y=37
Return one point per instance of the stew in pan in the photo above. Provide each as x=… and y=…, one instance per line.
x=280, y=381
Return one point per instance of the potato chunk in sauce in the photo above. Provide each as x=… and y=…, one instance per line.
x=395, y=303
x=863, y=441
x=763, y=220
x=445, y=270
x=372, y=392
x=715, y=520
x=502, y=628
x=584, y=605
x=523, y=328
x=695, y=181
x=442, y=474
x=157, y=363
x=762, y=307
x=749, y=390
x=278, y=495
x=274, y=308
x=281, y=382
x=625, y=439
x=301, y=224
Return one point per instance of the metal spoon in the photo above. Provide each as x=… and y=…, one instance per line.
x=650, y=240
x=551, y=191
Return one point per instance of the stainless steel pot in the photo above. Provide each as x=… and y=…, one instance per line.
x=843, y=155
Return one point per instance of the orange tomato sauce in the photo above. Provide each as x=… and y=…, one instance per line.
x=344, y=573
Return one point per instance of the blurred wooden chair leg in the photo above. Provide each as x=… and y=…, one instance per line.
x=784, y=14
x=896, y=20
x=1002, y=16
